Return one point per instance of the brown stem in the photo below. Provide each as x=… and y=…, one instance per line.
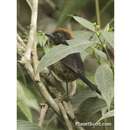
x=67, y=121
x=48, y=97
x=20, y=41
x=98, y=12
x=73, y=88
x=32, y=33
x=44, y=108
x=68, y=108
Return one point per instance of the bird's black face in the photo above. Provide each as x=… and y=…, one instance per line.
x=58, y=37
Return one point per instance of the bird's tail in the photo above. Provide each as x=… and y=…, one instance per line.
x=89, y=83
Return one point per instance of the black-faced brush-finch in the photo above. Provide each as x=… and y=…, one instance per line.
x=71, y=67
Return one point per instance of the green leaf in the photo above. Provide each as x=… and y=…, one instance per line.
x=105, y=83
x=109, y=37
x=101, y=54
x=89, y=108
x=85, y=23
x=83, y=55
x=83, y=95
x=59, y=52
x=107, y=115
x=25, y=125
x=42, y=38
x=83, y=35
x=25, y=96
x=25, y=109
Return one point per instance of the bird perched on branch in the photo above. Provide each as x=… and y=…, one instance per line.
x=71, y=67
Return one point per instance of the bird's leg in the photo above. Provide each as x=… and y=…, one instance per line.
x=72, y=88
x=67, y=89
x=66, y=97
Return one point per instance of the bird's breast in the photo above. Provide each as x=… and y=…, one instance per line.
x=63, y=72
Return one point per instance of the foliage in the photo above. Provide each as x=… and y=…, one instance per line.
x=25, y=125
x=92, y=42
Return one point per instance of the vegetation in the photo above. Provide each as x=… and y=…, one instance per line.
x=40, y=94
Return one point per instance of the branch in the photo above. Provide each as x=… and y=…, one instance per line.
x=21, y=42
x=41, y=86
x=98, y=12
x=21, y=47
x=73, y=88
x=67, y=121
x=32, y=33
x=69, y=109
x=44, y=108
x=26, y=59
x=48, y=97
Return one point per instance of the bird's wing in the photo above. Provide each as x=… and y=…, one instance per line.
x=74, y=62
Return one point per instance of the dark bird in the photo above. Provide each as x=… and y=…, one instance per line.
x=71, y=67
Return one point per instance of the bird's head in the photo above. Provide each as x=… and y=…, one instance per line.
x=60, y=36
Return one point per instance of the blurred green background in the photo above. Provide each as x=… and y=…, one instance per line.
x=56, y=13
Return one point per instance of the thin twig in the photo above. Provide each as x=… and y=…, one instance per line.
x=30, y=71
x=67, y=121
x=27, y=65
x=68, y=108
x=26, y=59
x=107, y=53
x=48, y=97
x=34, y=46
x=98, y=12
x=70, y=112
x=20, y=46
x=72, y=88
x=32, y=33
x=20, y=41
x=106, y=6
x=44, y=108
x=104, y=9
